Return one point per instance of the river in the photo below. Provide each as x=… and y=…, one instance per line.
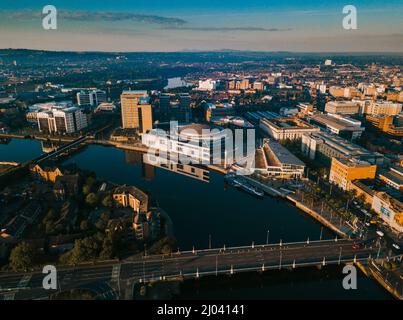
x=201, y=211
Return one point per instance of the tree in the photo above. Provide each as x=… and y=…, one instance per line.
x=90, y=181
x=102, y=222
x=86, y=249
x=22, y=257
x=107, y=201
x=91, y=199
x=84, y=225
x=86, y=189
x=107, y=249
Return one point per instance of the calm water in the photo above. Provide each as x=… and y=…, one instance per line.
x=199, y=209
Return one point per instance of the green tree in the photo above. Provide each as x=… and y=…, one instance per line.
x=22, y=257
x=84, y=225
x=107, y=249
x=90, y=181
x=102, y=223
x=91, y=199
x=107, y=201
x=86, y=189
x=86, y=249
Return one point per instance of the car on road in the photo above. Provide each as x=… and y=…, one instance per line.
x=380, y=233
x=356, y=246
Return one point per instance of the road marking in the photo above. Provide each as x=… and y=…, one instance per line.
x=9, y=296
x=24, y=281
x=116, y=272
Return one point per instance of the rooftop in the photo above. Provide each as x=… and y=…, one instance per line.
x=281, y=154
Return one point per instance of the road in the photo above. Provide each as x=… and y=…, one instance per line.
x=189, y=264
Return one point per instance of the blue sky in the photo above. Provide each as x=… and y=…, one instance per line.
x=177, y=25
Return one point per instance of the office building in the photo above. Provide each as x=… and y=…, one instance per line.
x=218, y=110
x=390, y=210
x=342, y=126
x=91, y=97
x=175, y=107
x=324, y=146
x=392, y=177
x=342, y=107
x=385, y=124
x=207, y=85
x=61, y=120
x=286, y=128
x=387, y=108
x=136, y=111
x=344, y=171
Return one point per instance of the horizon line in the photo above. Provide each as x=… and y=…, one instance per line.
x=213, y=51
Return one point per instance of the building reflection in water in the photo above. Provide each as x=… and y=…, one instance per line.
x=191, y=171
x=49, y=146
x=150, y=162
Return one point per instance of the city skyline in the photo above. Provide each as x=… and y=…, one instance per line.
x=183, y=26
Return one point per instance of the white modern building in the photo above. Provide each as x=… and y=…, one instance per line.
x=91, y=97
x=194, y=143
x=275, y=161
x=61, y=120
x=207, y=85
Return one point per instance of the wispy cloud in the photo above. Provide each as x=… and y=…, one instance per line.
x=224, y=29
x=110, y=16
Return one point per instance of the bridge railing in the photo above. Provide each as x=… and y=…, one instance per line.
x=252, y=246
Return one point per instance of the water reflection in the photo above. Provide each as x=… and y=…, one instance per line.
x=150, y=162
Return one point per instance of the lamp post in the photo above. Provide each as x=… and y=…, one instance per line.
x=267, y=236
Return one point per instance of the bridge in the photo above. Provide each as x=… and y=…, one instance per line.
x=59, y=151
x=121, y=276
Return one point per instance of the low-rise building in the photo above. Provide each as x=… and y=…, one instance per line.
x=218, y=110
x=385, y=124
x=275, y=161
x=66, y=185
x=342, y=107
x=393, y=177
x=130, y=196
x=286, y=128
x=325, y=146
x=342, y=126
x=390, y=210
x=47, y=172
x=343, y=172
x=388, y=108
x=91, y=97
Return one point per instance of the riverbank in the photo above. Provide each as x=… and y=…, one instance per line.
x=36, y=137
x=317, y=216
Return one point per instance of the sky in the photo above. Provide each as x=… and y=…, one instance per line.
x=179, y=25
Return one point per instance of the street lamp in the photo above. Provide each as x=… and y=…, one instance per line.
x=267, y=236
